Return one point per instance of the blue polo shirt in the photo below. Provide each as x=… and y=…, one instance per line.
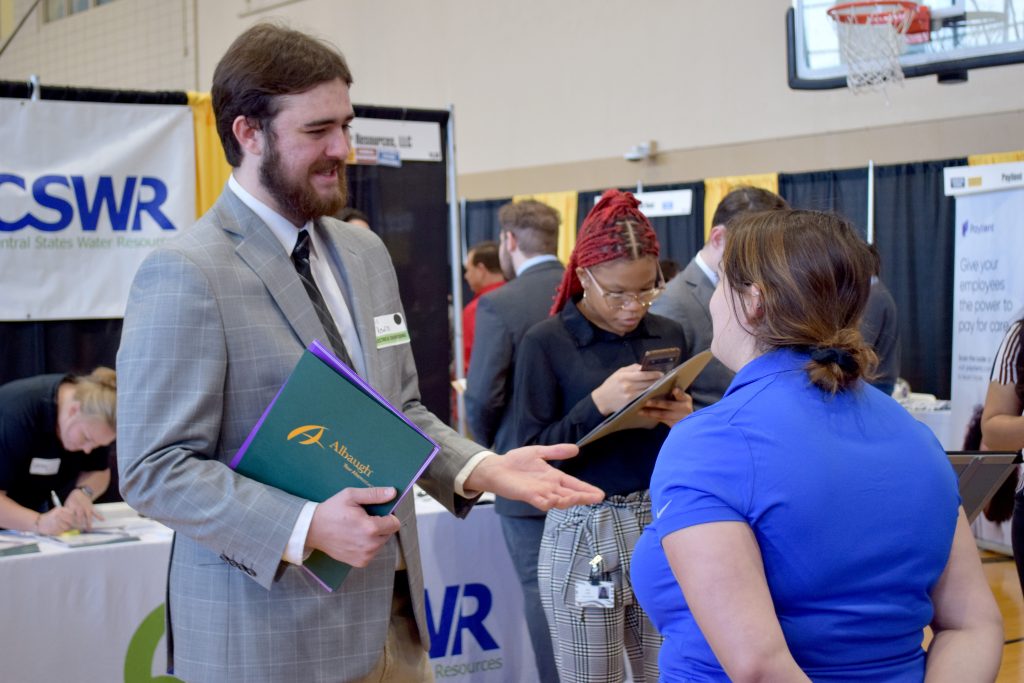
x=852, y=501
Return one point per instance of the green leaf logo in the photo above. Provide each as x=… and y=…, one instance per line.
x=138, y=661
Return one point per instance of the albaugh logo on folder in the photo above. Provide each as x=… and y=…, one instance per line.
x=311, y=434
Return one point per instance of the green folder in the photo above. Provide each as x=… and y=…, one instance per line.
x=12, y=545
x=327, y=430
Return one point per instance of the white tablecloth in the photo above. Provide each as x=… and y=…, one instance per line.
x=70, y=614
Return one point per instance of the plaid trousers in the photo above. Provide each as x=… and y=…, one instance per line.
x=589, y=642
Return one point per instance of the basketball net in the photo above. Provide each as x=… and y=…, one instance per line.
x=871, y=39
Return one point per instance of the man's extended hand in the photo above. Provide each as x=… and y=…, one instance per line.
x=343, y=529
x=524, y=474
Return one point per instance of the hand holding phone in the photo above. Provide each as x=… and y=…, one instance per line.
x=661, y=360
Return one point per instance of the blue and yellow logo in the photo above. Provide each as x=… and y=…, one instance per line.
x=308, y=435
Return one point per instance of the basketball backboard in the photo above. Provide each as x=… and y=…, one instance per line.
x=960, y=35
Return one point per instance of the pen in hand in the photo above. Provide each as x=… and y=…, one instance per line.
x=55, y=499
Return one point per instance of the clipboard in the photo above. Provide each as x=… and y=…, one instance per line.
x=979, y=474
x=629, y=417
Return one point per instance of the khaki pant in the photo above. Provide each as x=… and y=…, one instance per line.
x=404, y=660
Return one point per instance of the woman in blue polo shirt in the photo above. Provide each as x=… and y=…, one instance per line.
x=812, y=525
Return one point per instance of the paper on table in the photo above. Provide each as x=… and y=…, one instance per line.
x=83, y=539
x=629, y=417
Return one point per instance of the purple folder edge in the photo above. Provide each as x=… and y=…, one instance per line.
x=252, y=434
x=332, y=361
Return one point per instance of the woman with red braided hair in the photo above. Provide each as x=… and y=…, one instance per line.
x=573, y=370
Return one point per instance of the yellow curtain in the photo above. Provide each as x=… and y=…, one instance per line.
x=996, y=158
x=715, y=190
x=212, y=168
x=6, y=18
x=565, y=204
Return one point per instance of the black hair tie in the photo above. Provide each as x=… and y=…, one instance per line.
x=828, y=354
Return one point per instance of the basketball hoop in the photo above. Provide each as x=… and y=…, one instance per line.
x=871, y=39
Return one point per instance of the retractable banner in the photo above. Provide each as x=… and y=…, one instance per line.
x=86, y=191
x=988, y=281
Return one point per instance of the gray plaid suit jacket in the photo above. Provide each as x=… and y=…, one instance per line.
x=216, y=319
x=686, y=300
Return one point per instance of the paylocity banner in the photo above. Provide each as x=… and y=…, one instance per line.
x=988, y=280
x=86, y=191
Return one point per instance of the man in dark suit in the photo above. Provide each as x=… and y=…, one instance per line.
x=880, y=327
x=529, y=241
x=687, y=296
x=216, y=319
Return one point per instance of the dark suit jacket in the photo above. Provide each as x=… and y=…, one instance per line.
x=502, y=318
x=686, y=300
x=880, y=328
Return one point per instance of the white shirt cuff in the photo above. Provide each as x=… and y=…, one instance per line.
x=295, y=552
x=467, y=469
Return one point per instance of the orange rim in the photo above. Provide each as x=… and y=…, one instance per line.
x=845, y=13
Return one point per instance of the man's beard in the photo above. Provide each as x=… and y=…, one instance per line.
x=505, y=261
x=296, y=198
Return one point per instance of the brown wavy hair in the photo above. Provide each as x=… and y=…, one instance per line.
x=263, y=63
x=814, y=275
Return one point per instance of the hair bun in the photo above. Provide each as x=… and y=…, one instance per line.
x=841, y=357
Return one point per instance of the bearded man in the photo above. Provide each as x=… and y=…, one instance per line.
x=216, y=320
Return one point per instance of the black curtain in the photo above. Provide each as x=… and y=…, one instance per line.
x=914, y=224
x=408, y=209
x=22, y=90
x=680, y=237
x=480, y=221
x=845, y=192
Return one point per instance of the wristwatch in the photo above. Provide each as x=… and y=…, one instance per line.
x=87, y=490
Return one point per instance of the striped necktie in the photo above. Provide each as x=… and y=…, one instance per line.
x=300, y=258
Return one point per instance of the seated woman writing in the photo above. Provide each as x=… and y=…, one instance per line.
x=54, y=430
x=806, y=527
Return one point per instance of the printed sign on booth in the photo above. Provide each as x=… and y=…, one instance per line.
x=988, y=292
x=86, y=191
x=474, y=602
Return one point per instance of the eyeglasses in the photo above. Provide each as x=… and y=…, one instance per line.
x=619, y=300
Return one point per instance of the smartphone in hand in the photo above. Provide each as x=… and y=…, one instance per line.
x=661, y=360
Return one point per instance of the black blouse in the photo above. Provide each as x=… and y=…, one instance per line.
x=560, y=361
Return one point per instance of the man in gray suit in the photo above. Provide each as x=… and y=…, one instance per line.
x=687, y=295
x=216, y=320
x=529, y=241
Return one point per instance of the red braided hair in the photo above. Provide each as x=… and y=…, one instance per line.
x=615, y=228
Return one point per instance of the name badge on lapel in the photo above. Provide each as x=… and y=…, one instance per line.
x=391, y=330
x=44, y=466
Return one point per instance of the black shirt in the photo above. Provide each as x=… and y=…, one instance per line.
x=28, y=440
x=563, y=359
